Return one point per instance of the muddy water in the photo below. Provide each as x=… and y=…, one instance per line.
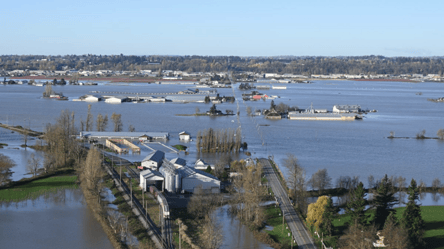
x=56, y=220
x=236, y=235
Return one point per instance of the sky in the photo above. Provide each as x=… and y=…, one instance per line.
x=229, y=27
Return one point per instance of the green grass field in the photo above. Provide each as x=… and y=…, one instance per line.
x=275, y=220
x=434, y=225
x=36, y=188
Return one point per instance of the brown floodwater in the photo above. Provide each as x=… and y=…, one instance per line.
x=54, y=220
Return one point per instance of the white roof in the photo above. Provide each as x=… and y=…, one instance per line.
x=179, y=161
x=156, y=156
x=151, y=174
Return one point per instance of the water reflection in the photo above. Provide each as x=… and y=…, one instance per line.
x=54, y=220
x=236, y=235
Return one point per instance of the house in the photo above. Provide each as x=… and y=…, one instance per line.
x=154, y=160
x=178, y=162
x=184, y=136
x=150, y=177
x=193, y=179
x=202, y=165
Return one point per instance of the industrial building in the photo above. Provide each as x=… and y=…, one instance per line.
x=151, y=177
x=154, y=160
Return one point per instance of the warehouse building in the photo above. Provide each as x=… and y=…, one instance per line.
x=154, y=160
x=150, y=177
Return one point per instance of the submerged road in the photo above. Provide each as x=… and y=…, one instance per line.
x=300, y=233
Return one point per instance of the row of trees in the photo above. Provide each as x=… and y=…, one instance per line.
x=248, y=193
x=365, y=222
x=219, y=140
x=5, y=169
x=102, y=122
x=282, y=64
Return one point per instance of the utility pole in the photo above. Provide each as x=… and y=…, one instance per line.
x=131, y=187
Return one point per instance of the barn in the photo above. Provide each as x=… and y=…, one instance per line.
x=153, y=160
x=150, y=177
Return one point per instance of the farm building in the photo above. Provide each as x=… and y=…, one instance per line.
x=92, y=98
x=202, y=165
x=172, y=178
x=154, y=160
x=116, y=99
x=193, y=179
x=178, y=162
x=346, y=108
x=96, y=135
x=184, y=136
x=151, y=177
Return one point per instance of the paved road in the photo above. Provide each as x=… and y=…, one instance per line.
x=300, y=233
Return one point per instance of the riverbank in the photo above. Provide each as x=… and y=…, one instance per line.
x=22, y=130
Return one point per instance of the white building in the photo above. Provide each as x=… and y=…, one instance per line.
x=202, y=165
x=92, y=98
x=184, y=136
x=150, y=177
x=154, y=160
x=346, y=108
x=116, y=99
x=178, y=162
x=193, y=179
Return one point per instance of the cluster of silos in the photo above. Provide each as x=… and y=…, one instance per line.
x=172, y=177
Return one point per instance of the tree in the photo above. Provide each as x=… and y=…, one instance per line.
x=320, y=180
x=412, y=219
x=395, y=235
x=249, y=112
x=316, y=211
x=92, y=171
x=356, y=205
x=211, y=236
x=296, y=181
x=421, y=134
x=272, y=105
x=358, y=236
x=117, y=120
x=327, y=217
x=89, y=119
x=33, y=164
x=131, y=128
x=197, y=110
x=5, y=169
x=440, y=134
x=384, y=201
x=101, y=122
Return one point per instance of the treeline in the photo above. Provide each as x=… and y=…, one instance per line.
x=305, y=65
x=219, y=140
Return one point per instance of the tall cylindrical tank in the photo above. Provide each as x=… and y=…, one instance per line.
x=178, y=185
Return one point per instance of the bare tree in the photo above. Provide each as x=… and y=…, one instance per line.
x=371, y=181
x=131, y=128
x=33, y=164
x=320, y=180
x=117, y=120
x=89, y=119
x=197, y=110
x=296, y=180
x=92, y=171
x=211, y=236
x=436, y=184
x=99, y=122
x=358, y=237
x=421, y=134
x=440, y=134
x=249, y=111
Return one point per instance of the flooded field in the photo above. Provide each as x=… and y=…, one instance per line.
x=54, y=220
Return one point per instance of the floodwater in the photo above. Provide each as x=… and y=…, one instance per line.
x=353, y=148
x=235, y=234
x=54, y=220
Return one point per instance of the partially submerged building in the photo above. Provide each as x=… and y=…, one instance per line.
x=346, y=108
x=154, y=160
x=98, y=135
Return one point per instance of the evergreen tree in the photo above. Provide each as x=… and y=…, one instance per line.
x=327, y=217
x=384, y=201
x=356, y=206
x=412, y=220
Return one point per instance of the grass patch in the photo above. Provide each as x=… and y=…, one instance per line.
x=433, y=217
x=36, y=188
x=280, y=232
x=180, y=147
